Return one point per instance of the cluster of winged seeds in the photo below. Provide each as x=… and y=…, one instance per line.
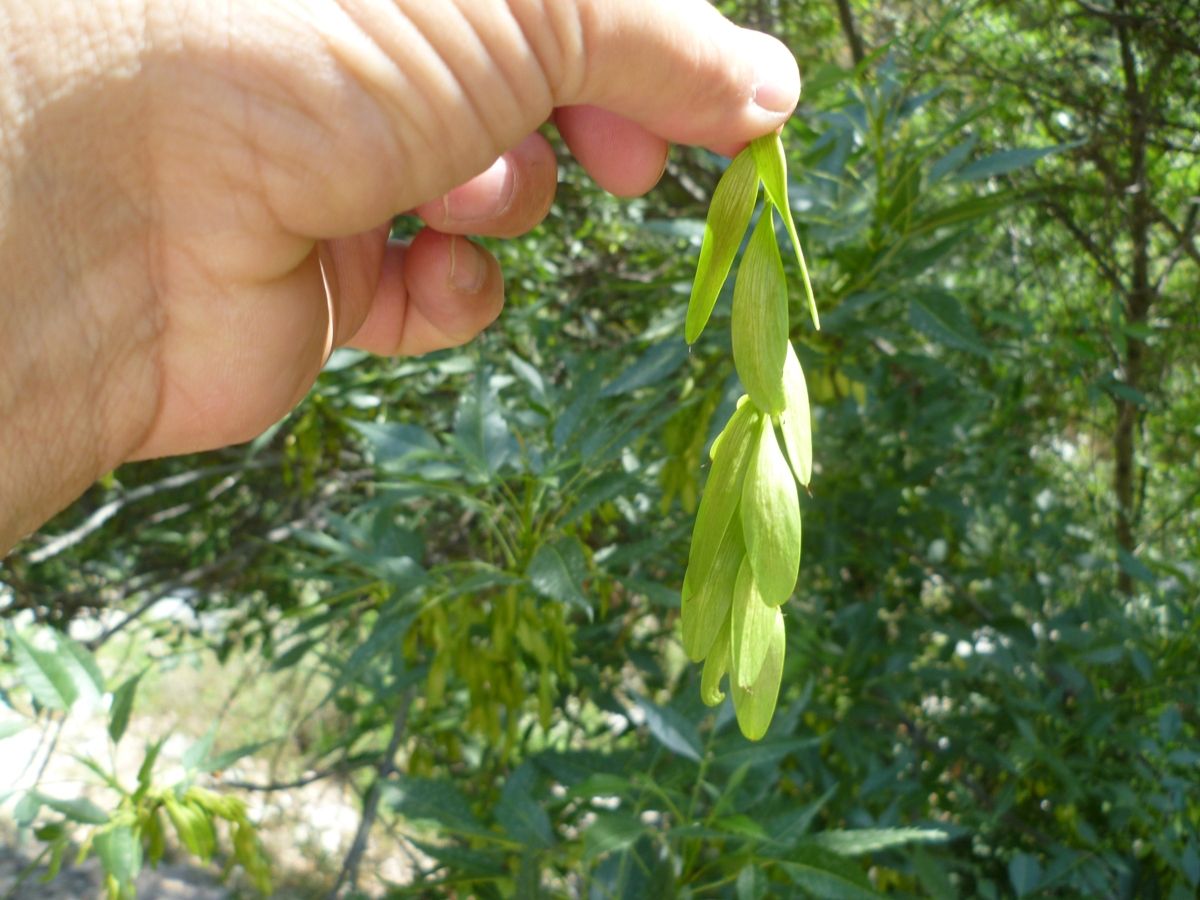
x=745, y=553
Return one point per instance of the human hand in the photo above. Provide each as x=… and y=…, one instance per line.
x=196, y=198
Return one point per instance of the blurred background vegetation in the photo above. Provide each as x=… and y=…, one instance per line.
x=454, y=579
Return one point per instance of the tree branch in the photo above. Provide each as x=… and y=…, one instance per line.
x=386, y=768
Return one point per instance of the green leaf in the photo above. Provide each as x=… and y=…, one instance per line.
x=436, y=800
x=723, y=491
x=1006, y=161
x=858, y=841
x=1134, y=567
x=933, y=877
x=229, y=757
x=760, y=318
x=45, y=674
x=953, y=160
x=196, y=755
x=393, y=443
x=122, y=706
x=671, y=729
x=707, y=608
x=771, y=519
x=12, y=727
x=796, y=421
x=480, y=430
x=558, y=571
x=752, y=882
x=1169, y=723
x=85, y=673
x=752, y=626
x=120, y=853
x=520, y=815
x=1025, y=873
x=80, y=809
x=146, y=770
x=609, y=833
x=964, y=211
x=529, y=878
x=827, y=885
x=599, y=491
x=940, y=316
x=728, y=217
x=653, y=366
x=755, y=707
x=487, y=864
x=771, y=163
x=715, y=666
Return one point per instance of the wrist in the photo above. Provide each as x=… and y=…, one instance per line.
x=68, y=246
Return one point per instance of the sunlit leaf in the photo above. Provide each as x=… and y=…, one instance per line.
x=760, y=318
x=728, y=216
x=796, y=421
x=770, y=515
x=707, y=606
x=772, y=169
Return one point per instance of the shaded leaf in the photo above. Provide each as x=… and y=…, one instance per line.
x=1006, y=161
x=521, y=817
x=651, y=367
x=671, y=729
x=558, y=571
x=610, y=832
x=122, y=707
x=940, y=316
x=1025, y=873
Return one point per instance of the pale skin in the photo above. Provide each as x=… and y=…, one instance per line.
x=195, y=196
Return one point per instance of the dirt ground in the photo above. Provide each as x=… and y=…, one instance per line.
x=85, y=882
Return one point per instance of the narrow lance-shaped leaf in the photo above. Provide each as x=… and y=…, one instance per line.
x=715, y=667
x=796, y=421
x=728, y=215
x=760, y=318
x=755, y=706
x=718, y=506
x=708, y=606
x=771, y=519
x=750, y=632
x=772, y=169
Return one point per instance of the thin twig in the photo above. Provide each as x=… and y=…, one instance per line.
x=97, y=519
x=387, y=767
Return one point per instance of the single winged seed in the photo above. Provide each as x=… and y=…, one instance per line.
x=715, y=666
x=723, y=491
x=708, y=606
x=728, y=216
x=750, y=632
x=772, y=169
x=796, y=420
x=760, y=317
x=755, y=705
x=771, y=519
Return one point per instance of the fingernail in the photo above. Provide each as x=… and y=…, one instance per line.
x=485, y=196
x=468, y=267
x=776, y=75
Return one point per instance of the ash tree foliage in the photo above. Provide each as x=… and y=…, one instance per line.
x=990, y=682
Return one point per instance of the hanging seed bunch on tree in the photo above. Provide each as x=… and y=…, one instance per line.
x=745, y=554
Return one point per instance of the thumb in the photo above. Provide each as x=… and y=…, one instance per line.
x=679, y=68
